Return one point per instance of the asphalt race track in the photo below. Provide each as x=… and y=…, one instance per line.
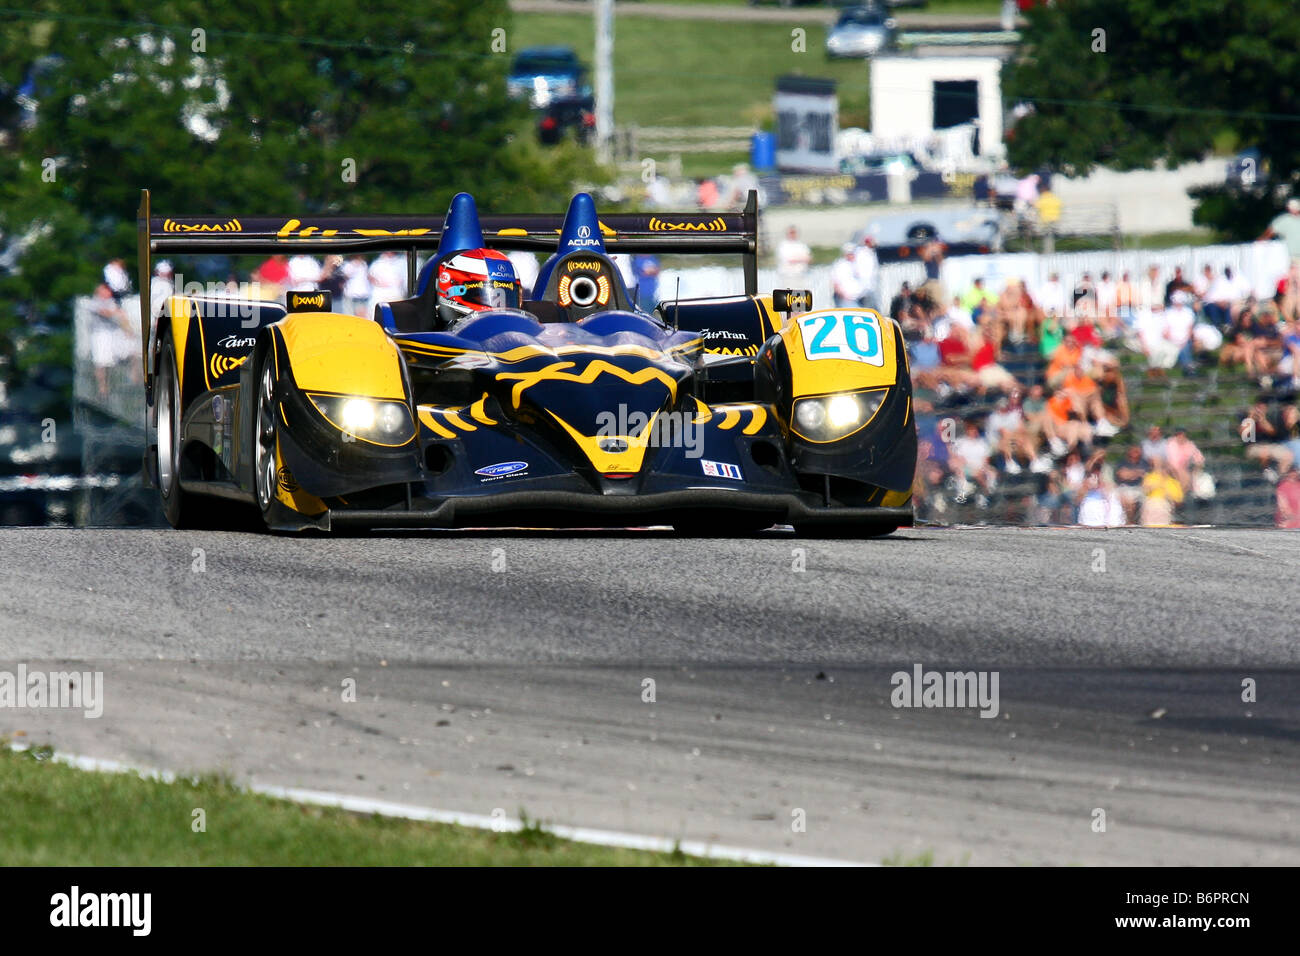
x=506, y=670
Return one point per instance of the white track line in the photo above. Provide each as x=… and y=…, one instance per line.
x=385, y=808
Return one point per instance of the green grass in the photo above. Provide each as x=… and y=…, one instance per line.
x=54, y=815
x=693, y=73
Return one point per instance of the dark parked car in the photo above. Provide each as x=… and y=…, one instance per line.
x=542, y=74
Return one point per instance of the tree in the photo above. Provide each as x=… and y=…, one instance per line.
x=386, y=106
x=1124, y=83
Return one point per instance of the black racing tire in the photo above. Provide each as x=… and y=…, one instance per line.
x=182, y=509
x=265, y=437
x=177, y=506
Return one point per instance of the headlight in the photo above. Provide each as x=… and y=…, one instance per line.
x=832, y=417
x=380, y=422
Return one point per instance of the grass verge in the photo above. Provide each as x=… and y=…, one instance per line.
x=701, y=73
x=55, y=815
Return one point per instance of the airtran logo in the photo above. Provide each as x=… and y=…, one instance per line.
x=501, y=469
x=220, y=364
x=713, y=225
x=230, y=225
x=237, y=342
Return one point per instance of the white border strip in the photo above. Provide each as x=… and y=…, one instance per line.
x=384, y=808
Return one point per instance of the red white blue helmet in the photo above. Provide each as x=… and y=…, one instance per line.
x=476, y=280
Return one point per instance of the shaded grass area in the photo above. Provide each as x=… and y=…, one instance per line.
x=55, y=815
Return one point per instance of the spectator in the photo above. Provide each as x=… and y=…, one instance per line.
x=844, y=278
x=1161, y=495
x=1085, y=297
x=707, y=196
x=1113, y=395
x=356, y=286
x=1153, y=446
x=1129, y=475
x=274, y=274
x=1126, y=299
x=1288, y=499
x=742, y=181
x=388, y=277
x=793, y=258
x=977, y=297
x=867, y=267
x=1287, y=228
x=111, y=335
x=1183, y=458
x=1108, y=307
x=161, y=286
x=956, y=317
x=1218, y=299
x=646, y=268
x=1273, y=438
x=332, y=278
x=525, y=265
x=1051, y=297
x=985, y=363
x=117, y=279
x=970, y=458
x=1100, y=505
x=1179, y=322
x=304, y=274
x=1176, y=284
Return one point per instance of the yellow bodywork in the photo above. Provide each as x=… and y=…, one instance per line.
x=825, y=376
x=342, y=355
x=607, y=462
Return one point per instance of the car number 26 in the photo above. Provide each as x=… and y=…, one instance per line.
x=853, y=336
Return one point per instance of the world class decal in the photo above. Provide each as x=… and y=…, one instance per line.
x=849, y=336
x=501, y=469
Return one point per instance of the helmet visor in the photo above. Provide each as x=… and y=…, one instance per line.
x=487, y=294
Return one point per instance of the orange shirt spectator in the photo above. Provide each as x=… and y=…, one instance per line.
x=1067, y=355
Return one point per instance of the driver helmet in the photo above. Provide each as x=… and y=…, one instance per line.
x=476, y=280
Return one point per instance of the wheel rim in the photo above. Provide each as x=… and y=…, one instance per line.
x=265, y=464
x=166, y=433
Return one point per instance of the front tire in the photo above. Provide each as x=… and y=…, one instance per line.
x=176, y=505
x=265, y=438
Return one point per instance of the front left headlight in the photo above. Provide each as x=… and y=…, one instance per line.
x=829, y=418
x=372, y=420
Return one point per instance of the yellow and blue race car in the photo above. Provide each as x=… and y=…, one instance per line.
x=469, y=405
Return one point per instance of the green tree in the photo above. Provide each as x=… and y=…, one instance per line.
x=1124, y=83
x=256, y=107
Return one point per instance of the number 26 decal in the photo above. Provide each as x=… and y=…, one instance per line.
x=851, y=336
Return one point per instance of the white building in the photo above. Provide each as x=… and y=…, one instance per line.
x=911, y=96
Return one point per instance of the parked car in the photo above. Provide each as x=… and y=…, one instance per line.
x=542, y=74
x=861, y=32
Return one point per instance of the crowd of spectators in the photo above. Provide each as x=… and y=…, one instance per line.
x=1023, y=410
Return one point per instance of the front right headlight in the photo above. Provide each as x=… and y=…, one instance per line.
x=828, y=418
x=373, y=420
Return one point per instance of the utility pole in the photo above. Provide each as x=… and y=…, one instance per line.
x=604, y=14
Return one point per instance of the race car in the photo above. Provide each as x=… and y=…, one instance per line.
x=467, y=405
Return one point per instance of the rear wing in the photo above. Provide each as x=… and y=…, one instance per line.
x=667, y=233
